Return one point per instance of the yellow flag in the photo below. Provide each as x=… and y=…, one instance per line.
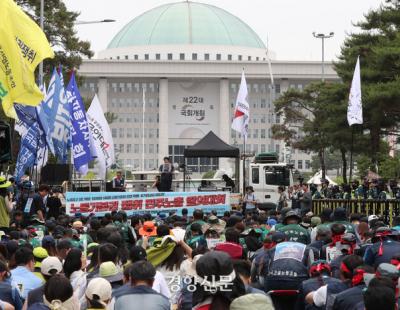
x=23, y=45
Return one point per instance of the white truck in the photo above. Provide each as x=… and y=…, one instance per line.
x=266, y=174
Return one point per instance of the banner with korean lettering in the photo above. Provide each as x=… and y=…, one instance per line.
x=80, y=132
x=100, y=203
x=55, y=113
x=30, y=152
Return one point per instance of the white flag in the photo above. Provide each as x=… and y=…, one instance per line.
x=354, y=110
x=241, y=117
x=101, y=137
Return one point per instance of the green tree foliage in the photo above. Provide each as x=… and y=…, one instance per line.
x=378, y=45
x=59, y=28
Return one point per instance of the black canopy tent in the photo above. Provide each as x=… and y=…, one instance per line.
x=212, y=146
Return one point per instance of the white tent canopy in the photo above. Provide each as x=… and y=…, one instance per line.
x=316, y=179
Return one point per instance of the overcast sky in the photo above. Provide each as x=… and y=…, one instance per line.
x=286, y=25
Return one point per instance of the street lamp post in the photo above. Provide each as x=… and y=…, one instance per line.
x=95, y=21
x=323, y=37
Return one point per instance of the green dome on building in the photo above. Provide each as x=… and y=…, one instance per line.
x=186, y=23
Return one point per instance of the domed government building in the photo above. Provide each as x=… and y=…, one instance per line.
x=184, y=61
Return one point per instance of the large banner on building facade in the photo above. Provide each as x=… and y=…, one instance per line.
x=193, y=109
x=100, y=203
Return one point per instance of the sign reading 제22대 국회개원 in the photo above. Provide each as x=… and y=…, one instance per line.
x=100, y=203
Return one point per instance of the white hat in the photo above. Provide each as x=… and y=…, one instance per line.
x=99, y=289
x=372, y=217
x=50, y=263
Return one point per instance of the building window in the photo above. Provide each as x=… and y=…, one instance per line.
x=151, y=148
x=278, y=88
x=206, y=56
x=158, y=56
x=121, y=148
x=146, y=56
x=136, y=148
x=169, y=56
x=121, y=132
x=136, y=57
x=255, y=133
x=299, y=164
x=194, y=56
x=249, y=58
x=128, y=130
x=229, y=57
x=182, y=56
x=308, y=164
x=117, y=57
x=277, y=119
x=126, y=56
x=136, y=132
x=262, y=133
x=114, y=132
x=257, y=58
x=218, y=56
x=240, y=57
x=262, y=148
x=277, y=148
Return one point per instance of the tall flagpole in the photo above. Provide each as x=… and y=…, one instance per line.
x=244, y=165
x=143, y=111
x=42, y=27
x=351, y=153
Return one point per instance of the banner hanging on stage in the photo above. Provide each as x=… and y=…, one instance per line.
x=99, y=203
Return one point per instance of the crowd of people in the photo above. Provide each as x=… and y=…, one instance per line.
x=376, y=189
x=280, y=259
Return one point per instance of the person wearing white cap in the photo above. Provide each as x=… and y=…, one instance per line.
x=98, y=294
x=50, y=266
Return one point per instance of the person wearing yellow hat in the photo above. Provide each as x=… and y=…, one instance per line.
x=5, y=203
x=39, y=254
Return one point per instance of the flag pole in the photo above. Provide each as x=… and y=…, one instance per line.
x=351, y=153
x=143, y=111
x=244, y=165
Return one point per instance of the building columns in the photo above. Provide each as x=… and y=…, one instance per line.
x=163, y=120
x=102, y=93
x=224, y=120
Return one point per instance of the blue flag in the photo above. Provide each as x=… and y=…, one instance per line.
x=80, y=132
x=33, y=142
x=55, y=112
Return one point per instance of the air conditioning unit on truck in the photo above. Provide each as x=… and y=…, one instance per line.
x=266, y=174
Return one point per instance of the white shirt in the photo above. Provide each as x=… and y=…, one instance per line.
x=160, y=285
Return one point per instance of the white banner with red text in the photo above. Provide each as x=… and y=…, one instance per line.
x=100, y=203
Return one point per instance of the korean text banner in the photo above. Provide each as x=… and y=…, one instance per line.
x=85, y=203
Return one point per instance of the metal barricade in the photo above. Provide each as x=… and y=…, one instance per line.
x=387, y=209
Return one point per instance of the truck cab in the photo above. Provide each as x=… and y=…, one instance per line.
x=266, y=175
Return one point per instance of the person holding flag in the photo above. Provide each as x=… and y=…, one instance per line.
x=241, y=118
x=23, y=46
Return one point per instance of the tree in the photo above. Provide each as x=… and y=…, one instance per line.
x=378, y=45
x=59, y=25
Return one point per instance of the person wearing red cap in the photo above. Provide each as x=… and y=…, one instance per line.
x=352, y=272
x=320, y=275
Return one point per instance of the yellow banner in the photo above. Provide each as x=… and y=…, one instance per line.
x=23, y=45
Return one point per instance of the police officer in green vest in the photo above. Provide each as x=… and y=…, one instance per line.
x=293, y=230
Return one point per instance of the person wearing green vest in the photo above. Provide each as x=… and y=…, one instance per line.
x=293, y=230
x=198, y=217
x=5, y=203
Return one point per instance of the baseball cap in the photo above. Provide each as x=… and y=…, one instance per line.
x=278, y=237
x=137, y=253
x=51, y=263
x=48, y=241
x=372, y=217
x=99, y=289
x=40, y=252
